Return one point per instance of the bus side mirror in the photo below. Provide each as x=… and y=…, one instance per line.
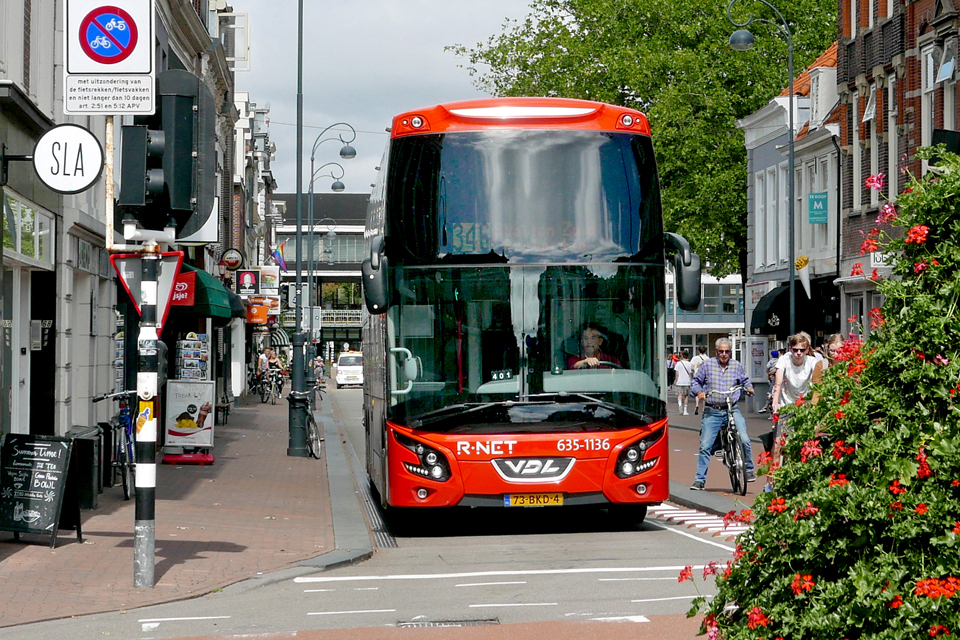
x=374, y=274
x=687, y=272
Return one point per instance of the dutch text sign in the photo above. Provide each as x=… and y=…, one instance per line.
x=817, y=207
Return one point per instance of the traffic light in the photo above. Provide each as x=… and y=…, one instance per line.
x=168, y=160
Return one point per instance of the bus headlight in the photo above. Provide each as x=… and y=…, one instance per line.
x=432, y=463
x=631, y=460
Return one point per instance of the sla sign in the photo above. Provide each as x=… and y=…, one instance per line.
x=109, y=62
x=68, y=159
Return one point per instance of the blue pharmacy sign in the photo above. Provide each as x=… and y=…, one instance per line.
x=817, y=208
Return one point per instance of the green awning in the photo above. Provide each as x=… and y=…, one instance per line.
x=211, y=299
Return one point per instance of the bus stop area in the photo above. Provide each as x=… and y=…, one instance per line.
x=252, y=516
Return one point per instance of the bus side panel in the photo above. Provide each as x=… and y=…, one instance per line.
x=375, y=404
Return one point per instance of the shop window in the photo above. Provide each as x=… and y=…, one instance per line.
x=711, y=298
x=27, y=230
x=732, y=298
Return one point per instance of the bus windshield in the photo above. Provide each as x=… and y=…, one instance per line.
x=522, y=196
x=505, y=348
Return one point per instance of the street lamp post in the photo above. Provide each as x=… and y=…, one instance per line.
x=337, y=187
x=297, y=442
x=347, y=152
x=742, y=40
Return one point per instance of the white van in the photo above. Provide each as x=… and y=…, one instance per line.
x=349, y=368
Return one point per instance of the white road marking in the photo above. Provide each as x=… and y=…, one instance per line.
x=337, y=613
x=622, y=619
x=182, y=619
x=691, y=536
x=516, y=604
x=367, y=589
x=317, y=590
x=485, y=574
x=630, y=579
x=674, y=598
x=485, y=584
x=149, y=626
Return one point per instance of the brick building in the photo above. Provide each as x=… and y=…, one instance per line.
x=896, y=76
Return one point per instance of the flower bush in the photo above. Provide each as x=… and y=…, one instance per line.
x=860, y=537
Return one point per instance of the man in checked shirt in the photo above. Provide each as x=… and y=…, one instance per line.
x=720, y=374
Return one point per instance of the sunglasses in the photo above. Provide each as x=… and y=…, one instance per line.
x=799, y=350
x=723, y=350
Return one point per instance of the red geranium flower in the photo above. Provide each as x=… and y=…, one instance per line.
x=757, y=618
x=924, y=470
x=938, y=629
x=956, y=527
x=807, y=511
x=896, y=489
x=802, y=583
x=921, y=508
x=777, y=505
x=686, y=574
x=918, y=234
x=857, y=269
x=799, y=401
x=896, y=602
x=839, y=480
x=810, y=449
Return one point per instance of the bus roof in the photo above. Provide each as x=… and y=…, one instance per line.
x=520, y=113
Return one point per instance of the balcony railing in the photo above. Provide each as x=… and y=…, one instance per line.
x=328, y=318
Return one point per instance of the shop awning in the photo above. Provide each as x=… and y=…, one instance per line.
x=772, y=314
x=279, y=338
x=237, y=308
x=210, y=298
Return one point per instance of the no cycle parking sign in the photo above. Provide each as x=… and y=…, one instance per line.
x=109, y=57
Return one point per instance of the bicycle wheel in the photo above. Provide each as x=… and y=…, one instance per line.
x=264, y=390
x=123, y=463
x=273, y=393
x=131, y=468
x=737, y=466
x=313, y=437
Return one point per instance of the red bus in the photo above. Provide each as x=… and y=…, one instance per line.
x=504, y=235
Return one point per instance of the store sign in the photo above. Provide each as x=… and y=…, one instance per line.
x=184, y=289
x=248, y=282
x=817, y=207
x=233, y=258
x=257, y=314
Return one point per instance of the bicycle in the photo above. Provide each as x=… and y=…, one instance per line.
x=274, y=386
x=313, y=431
x=731, y=445
x=124, y=460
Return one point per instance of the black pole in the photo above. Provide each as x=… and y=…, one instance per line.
x=310, y=379
x=297, y=446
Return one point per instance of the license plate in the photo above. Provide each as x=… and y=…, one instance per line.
x=533, y=500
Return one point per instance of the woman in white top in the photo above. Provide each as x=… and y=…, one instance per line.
x=794, y=374
x=684, y=373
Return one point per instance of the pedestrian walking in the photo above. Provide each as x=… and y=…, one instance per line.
x=771, y=371
x=683, y=380
x=794, y=374
x=720, y=373
x=830, y=350
x=695, y=362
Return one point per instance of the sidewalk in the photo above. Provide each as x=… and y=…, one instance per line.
x=254, y=511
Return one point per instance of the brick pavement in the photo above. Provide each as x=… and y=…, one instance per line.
x=255, y=510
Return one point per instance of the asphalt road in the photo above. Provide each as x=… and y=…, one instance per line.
x=534, y=570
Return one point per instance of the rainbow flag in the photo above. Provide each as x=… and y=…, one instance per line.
x=278, y=256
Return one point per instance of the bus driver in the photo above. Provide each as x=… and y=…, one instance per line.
x=591, y=353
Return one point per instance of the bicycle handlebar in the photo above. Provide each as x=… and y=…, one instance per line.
x=112, y=395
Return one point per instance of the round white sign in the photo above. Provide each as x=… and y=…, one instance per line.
x=68, y=159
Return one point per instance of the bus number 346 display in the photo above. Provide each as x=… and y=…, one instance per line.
x=515, y=283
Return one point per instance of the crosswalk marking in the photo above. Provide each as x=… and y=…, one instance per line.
x=700, y=520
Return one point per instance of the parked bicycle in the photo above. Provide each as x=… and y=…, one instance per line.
x=124, y=459
x=731, y=445
x=313, y=431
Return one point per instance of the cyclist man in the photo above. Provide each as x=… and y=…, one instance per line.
x=262, y=361
x=720, y=374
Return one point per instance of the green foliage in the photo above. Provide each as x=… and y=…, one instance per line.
x=878, y=457
x=670, y=59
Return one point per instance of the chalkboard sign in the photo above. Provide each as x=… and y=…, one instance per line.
x=35, y=485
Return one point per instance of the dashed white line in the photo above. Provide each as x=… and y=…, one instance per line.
x=674, y=598
x=622, y=619
x=693, y=537
x=631, y=579
x=183, y=619
x=486, y=584
x=317, y=590
x=337, y=613
x=516, y=604
x=485, y=574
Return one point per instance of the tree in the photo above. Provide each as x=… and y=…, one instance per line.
x=670, y=59
x=861, y=536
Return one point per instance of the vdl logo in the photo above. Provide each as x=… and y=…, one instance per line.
x=533, y=469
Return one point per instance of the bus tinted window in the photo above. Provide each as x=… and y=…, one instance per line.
x=522, y=196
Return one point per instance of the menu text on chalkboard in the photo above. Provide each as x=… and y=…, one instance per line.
x=34, y=485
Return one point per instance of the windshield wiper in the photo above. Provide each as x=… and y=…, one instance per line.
x=646, y=417
x=463, y=409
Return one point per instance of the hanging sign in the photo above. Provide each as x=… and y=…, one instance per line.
x=68, y=159
x=817, y=207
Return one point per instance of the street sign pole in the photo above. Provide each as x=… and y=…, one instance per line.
x=148, y=389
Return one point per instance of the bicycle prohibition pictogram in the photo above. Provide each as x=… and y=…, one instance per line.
x=108, y=35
